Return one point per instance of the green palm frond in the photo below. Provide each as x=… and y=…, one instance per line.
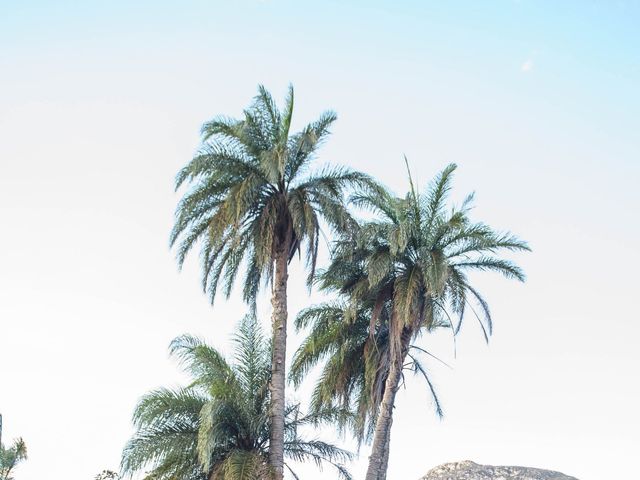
x=241, y=465
x=418, y=367
x=319, y=452
x=11, y=457
x=166, y=424
x=205, y=364
x=350, y=378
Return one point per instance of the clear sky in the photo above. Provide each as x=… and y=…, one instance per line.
x=537, y=101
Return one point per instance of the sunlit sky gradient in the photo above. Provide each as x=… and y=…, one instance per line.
x=537, y=101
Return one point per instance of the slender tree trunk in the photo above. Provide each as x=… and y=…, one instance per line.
x=277, y=385
x=385, y=459
x=379, y=458
x=383, y=424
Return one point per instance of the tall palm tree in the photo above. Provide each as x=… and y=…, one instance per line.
x=399, y=275
x=10, y=458
x=217, y=428
x=253, y=201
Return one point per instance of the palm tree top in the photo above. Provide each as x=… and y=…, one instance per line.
x=418, y=250
x=251, y=193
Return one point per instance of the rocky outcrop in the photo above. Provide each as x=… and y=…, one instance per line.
x=472, y=471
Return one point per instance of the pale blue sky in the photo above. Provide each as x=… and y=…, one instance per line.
x=538, y=102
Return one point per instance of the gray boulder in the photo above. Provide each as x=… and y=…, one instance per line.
x=472, y=471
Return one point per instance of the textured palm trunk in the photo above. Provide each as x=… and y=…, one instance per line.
x=379, y=458
x=385, y=459
x=277, y=385
x=383, y=424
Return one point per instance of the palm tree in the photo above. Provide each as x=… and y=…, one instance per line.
x=217, y=428
x=252, y=201
x=398, y=276
x=11, y=457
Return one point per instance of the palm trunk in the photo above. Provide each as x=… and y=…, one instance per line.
x=277, y=385
x=383, y=424
x=379, y=458
x=385, y=459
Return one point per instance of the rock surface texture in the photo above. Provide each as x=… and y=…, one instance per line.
x=472, y=471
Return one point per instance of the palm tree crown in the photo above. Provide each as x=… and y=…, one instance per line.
x=252, y=194
x=416, y=256
x=217, y=428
